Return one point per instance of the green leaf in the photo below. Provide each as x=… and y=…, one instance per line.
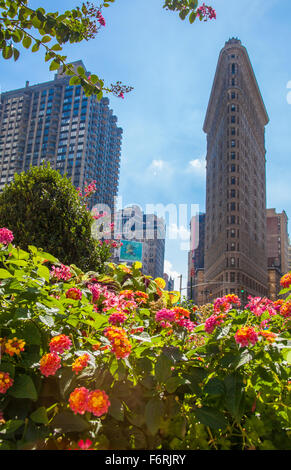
x=11, y=426
x=234, y=388
x=214, y=387
x=46, y=39
x=40, y=416
x=192, y=17
x=116, y=409
x=23, y=387
x=66, y=421
x=211, y=417
x=54, y=65
x=44, y=272
x=163, y=368
x=4, y=274
x=154, y=412
x=26, y=42
x=173, y=383
x=245, y=357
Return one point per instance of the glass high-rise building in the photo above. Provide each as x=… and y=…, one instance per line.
x=55, y=122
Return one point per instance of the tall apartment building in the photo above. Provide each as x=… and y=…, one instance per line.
x=277, y=249
x=132, y=224
x=196, y=255
x=235, y=251
x=57, y=123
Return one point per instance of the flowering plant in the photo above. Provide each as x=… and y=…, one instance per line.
x=120, y=363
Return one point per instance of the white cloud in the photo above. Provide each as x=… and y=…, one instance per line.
x=198, y=166
x=168, y=269
x=160, y=168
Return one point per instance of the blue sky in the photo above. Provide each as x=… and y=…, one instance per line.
x=171, y=65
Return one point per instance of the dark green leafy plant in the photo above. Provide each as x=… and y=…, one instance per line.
x=43, y=208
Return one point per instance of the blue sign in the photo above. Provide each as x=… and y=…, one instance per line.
x=130, y=251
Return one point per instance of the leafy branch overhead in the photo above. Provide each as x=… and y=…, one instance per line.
x=37, y=29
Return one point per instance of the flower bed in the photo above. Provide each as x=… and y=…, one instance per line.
x=114, y=361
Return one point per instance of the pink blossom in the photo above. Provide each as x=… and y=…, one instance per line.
x=6, y=236
x=165, y=315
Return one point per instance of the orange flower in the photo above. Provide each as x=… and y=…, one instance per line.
x=270, y=337
x=80, y=363
x=121, y=347
x=14, y=346
x=285, y=309
x=286, y=280
x=78, y=400
x=181, y=312
x=141, y=297
x=98, y=402
x=5, y=382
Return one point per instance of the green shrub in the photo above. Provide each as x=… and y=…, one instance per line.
x=42, y=208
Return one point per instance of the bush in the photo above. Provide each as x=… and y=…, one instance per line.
x=43, y=208
x=109, y=362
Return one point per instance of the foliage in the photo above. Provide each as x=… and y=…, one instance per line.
x=37, y=29
x=44, y=209
x=108, y=362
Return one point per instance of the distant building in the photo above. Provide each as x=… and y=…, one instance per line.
x=169, y=282
x=196, y=258
x=235, y=240
x=277, y=249
x=289, y=255
x=132, y=224
x=55, y=122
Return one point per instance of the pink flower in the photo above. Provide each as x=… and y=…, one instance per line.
x=85, y=445
x=213, y=321
x=6, y=236
x=117, y=318
x=100, y=18
x=63, y=272
x=165, y=315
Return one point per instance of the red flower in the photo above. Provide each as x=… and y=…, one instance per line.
x=59, y=344
x=74, y=293
x=49, y=364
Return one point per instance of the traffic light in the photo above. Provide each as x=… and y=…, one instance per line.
x=242, y=290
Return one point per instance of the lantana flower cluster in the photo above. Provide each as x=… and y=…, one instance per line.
x=176, y=316
x=5, y=381
x=246, y=335
x=120, y=344
x=6, y=236
x=12, y=346
x=51, y=362
x=61, y=273
x=213, y=321
x=80, y=363
x=82, y=400
x=224, y=304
